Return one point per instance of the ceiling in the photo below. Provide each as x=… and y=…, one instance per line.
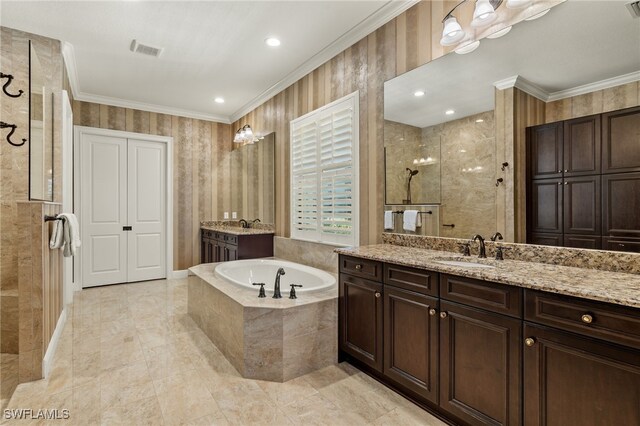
x=577, y=43
x=211, y=48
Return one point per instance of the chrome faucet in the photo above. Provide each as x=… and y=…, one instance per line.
x=276, y=286
x=483, y=250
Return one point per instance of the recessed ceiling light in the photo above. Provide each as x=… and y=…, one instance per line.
x=479, y=120
x=449, y=112
x=272, y=41
x=219, y=100
x=418, y=93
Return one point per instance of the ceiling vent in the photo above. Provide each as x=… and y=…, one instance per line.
x=145, y=49
x=634, y=9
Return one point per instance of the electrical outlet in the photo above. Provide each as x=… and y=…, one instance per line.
x=234, y=215
x=226, y=215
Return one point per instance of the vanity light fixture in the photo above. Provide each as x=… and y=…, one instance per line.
x=219, y=100
x=538, y=15
x=449, y=112
x=500, y=33
x=484, y=14
x=418, y=93
x=452, y=32
x=468, y=47
x=245, y=135
x=272, y=42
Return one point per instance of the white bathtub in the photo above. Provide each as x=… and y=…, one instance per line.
x=246, y=272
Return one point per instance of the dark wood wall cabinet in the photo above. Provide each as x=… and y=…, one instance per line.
x=216, y=246
x=474, y=352
x=583, y=182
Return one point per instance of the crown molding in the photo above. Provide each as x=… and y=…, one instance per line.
x=160, y=109
x=355, y=34
x=543, y=95
x=594, y=87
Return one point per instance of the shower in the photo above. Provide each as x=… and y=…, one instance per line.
x=412, y=173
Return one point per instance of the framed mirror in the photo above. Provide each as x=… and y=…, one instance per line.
x=466, y=124
x=40, y=132
x=252, y=168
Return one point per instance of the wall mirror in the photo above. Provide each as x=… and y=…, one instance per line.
x=253, y=180
x=448, y=124
x=40, y=132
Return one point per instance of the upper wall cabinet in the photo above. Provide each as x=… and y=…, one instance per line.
x=621, y=141
x=545, y=151
x=582, y=146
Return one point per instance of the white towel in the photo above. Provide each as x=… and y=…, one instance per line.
x=71, y=234
x=388, y=220
x=411, y=220
x=57, y=235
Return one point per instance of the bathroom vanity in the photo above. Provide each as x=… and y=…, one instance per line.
x=222, y=244
x=506, y=342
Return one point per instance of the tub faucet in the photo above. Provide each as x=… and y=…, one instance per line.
x=483, y=250
x=276, y=286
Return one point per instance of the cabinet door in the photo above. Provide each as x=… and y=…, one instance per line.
x=361, y=320
x=545, y=209
x=621, y=204
x=570, y=380
x=545, y=150
x=582, y=146
x=232, y=252
x=620, y=146
x=216, y=251
x=209, y=250
x=480, y=365
x=582, y=212
x=411, y=341
x=204, y=255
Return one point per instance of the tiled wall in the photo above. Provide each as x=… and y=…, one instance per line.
x=201, y=167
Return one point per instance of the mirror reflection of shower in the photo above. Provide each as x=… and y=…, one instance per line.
x=412, y=173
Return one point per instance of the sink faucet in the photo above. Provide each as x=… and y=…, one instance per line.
x=254, y=221
x=276, y=286
x=483, y=250
x=497, y=236
x=243, y=223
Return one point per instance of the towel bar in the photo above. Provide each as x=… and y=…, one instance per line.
x=48, y=218
x=402, y=212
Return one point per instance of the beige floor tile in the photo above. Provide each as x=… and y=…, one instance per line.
x=286, y=393
x=184, y=397
x=142, y=412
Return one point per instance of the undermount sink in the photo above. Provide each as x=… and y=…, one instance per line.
x=463, y=264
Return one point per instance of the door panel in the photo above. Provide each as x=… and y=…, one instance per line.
x=582, y=205
x=545, y=150
x=621, y=198
x=104, y=210
x=582, y=146
x=146, y=216
x=570, y=380
x=546, y=206
x=620, y=135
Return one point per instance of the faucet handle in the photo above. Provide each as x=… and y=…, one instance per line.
x=466, y=249
x=499, y=252
x=292, y=293
x=261, y=293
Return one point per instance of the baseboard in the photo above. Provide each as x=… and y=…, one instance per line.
x=184, y=273
x=53, y=344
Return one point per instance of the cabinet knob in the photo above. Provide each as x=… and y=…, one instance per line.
x=378, y=294
x=587, y=318
x=432, y=312
x=529, y=341
x=565, y=170
x=566, y=183
x=559, y=183
x=358, y=266
x=443, y=314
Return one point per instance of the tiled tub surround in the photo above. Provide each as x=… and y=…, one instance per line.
x=266, y=339
x=612, y=261
x=611, y=287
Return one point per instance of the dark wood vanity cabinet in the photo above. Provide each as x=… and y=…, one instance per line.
x=216, y=246
x=594, y=193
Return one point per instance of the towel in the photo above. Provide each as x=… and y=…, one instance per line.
x=411, y=220
x=388, y=220
x=71, y=230
x=57, y=236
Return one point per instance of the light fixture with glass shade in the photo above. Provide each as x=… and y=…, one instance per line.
x=484, y=14
x=245, y=135
x=452, y=32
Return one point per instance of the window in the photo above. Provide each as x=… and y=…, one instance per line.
x=324, y=174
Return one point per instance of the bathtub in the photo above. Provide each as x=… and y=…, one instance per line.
x=244, y=273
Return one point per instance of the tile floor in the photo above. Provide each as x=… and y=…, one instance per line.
x=8, y=377
x=130, y=355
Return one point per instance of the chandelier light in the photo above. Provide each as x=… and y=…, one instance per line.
x=245, y=135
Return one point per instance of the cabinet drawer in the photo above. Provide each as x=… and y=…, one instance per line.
x=369, y=269
x=493, y=297
x=207, y=234
x=621, y=244
x=231, y=239
x=617, y=324
x=418, y=280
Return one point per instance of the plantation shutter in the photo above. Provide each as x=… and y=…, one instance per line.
x=324, y=170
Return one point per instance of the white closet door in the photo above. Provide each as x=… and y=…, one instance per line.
x=104, y=210
x=146, y=205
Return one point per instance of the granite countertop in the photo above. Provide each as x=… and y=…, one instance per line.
x=237, y=230
x=611, y=287
x=248, y=298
